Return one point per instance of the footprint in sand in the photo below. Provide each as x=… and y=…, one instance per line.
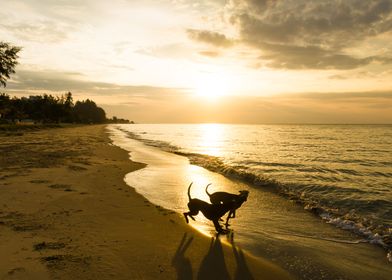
x=60, y=261
x=77, y=168
x=16, y=271
x=66, y=188
x=48, y=245
x=39, y=181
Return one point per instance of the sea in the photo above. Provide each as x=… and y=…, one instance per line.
x=320, y=201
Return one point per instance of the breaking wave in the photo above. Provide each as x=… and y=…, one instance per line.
x=345, y=213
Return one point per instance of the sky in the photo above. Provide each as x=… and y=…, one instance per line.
x=249, y=61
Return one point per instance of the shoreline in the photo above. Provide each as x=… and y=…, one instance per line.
x=280, y=230
x=341, y=219
x=65, y=211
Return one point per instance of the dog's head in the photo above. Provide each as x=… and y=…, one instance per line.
x=244, y=194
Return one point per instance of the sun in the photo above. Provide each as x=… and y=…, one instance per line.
x=211, y=88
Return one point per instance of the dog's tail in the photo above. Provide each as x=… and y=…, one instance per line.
x=189, y=191
x=207, y=189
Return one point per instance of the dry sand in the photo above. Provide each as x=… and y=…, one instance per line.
x=66, y=213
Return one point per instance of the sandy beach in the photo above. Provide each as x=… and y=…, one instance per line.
x=278, y=112
x=66, y=213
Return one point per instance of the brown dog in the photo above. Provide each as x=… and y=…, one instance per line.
x=213, y=212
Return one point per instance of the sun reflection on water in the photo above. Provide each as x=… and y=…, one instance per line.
x=200, y=178
x=211, y=135
x=197, y=175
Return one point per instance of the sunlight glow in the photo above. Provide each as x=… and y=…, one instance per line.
x=212, y=87
x=212, y=135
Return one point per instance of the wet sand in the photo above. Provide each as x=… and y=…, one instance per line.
x=66, y=213
x=279, y=230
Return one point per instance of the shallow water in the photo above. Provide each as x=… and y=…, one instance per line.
x=343, y=172
x=267, y=225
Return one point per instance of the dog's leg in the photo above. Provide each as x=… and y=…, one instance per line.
x=227, y=219
x=218, y=227
x=230, y=216
x=191, y=213
x=186, y=214
x=186, y=217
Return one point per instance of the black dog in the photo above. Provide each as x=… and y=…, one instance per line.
x=212, y=212
x=236, y=200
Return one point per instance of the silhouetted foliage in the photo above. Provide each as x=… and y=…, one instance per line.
x=50, y=109
x=88, y=112
x=118, y=120
x=4, y=104
x=45, y=108
x=8, y=61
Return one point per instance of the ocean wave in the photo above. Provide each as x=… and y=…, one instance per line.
x=340, y=213
x=252, y=162
x=373, y=231
x=346, y=219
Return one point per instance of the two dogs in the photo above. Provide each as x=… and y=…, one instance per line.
x=224, y=198
x=222, y=202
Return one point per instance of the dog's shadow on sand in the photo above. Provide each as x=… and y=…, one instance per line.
x=213, y=265
x=242, y=270
x=181, y=263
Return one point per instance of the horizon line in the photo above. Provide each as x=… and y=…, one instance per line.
x=228, y=123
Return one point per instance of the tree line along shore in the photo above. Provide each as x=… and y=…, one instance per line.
x=49, y=109
x=43, y=109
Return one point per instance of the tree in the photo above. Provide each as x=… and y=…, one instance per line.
x=4, y=105
x=50, y=109
x=17, y=110
x=8, y=61
x=88, y=112
x=67, y=101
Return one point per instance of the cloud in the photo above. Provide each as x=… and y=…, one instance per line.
x=312, y=34
x=344, y=95
x=338, y=77
x=159, y=104
x=43, y=21
x=24, y=82
x=209, y=53
x=313, y=57
x=210, y=37
x=353, y=107
x=42, y=31
x=173, y=50
x=356, y=75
